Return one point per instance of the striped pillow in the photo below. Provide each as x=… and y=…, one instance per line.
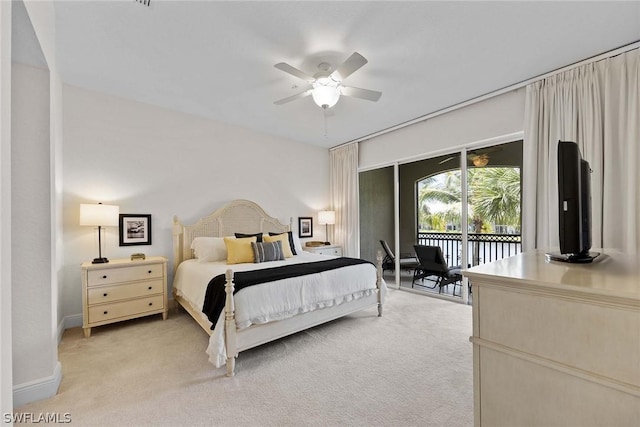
x=271, y=251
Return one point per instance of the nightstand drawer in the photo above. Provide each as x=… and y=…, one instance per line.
x=105, y=276
x=326, y=250
x=330, y=251
x=99, y=313
x=101, y=294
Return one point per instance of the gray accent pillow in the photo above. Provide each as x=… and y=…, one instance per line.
x=271, y=251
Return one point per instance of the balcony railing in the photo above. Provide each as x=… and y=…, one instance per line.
x=482, y=248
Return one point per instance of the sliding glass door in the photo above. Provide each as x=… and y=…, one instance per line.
x=377, y=219
x=469, y=209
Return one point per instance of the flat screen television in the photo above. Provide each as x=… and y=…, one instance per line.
x=574, y=205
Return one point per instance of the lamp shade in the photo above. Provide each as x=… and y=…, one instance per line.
x=99, y=215
x=326, y=217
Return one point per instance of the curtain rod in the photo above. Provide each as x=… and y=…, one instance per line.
x=515, y=86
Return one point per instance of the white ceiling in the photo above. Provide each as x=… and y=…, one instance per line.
x=215, y=59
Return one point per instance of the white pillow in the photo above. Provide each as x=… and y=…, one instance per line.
x=297, y=244
x=207, y=249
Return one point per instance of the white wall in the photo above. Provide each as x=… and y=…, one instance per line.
x=30, y=202
x=491, y=118
x=150, y=160
x=6, y=371
x=35, y=260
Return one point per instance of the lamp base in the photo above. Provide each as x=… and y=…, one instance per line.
x=99, y=261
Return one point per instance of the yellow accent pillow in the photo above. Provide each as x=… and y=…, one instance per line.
x=239, y=250
x=284, y=238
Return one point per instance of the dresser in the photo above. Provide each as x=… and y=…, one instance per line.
x=325, y=250
x=123, y=289
x=556, y=344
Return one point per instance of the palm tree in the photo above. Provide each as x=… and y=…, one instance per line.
x=445, y=190
x=494, y=197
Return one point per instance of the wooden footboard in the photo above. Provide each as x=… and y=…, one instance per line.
x=314, y=318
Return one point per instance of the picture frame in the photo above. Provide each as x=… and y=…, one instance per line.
x=135, y=229
x=305, y=226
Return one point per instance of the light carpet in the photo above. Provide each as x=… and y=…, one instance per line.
x=411, y=367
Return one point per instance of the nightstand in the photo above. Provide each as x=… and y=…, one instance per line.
x=123, y=289
x=325, y=250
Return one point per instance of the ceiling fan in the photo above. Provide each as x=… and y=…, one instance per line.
x=325, y=86
x=479, y=158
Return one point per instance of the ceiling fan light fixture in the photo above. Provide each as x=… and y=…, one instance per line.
x=480, y=161
x=326, y=92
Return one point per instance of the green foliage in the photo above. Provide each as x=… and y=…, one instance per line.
x=494, y=198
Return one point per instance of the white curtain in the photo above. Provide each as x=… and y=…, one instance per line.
x=597, y=106
x=343, y=181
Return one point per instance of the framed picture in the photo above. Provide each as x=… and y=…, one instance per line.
x=135, y=229
x=305, y=226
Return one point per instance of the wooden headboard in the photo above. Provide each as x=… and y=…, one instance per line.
x=238, y=216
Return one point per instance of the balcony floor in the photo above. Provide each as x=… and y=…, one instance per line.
x=405, y=283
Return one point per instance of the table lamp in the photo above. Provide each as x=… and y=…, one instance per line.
x=325, y=218
x=99, y=215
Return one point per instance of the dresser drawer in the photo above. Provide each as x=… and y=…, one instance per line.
x=101, y=294
x=100, y=313
x=105, y=276
x=336, y=251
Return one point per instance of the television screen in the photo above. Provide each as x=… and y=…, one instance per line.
x=574, y=205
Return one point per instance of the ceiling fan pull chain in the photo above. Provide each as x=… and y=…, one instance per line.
x=324, y=114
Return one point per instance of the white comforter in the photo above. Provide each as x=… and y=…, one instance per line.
x=264, y=303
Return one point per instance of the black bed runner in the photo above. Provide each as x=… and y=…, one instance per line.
x=214, y=299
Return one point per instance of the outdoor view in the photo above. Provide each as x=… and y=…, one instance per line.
x=493, y=213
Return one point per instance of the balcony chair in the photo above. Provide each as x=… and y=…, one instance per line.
x=434, y=267
x=389, y=261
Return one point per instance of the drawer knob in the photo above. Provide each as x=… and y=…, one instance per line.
x=104, y=277
x=150, y=287
x=104, y=295
x=149, y=271
x=105, y=312
x=150, y=304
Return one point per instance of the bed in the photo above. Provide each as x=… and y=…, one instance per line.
x=255, y=315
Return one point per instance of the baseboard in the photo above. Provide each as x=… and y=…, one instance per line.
x=73, y=321
x=43, y=388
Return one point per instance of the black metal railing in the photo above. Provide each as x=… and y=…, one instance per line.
x=482, y=248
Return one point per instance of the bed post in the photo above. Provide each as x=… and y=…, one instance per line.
x=177, y=243
x=230, y=325
x=379, y=281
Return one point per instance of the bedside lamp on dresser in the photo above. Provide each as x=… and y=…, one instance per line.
x=120, y=289
x=99, y=215
x=326, y=218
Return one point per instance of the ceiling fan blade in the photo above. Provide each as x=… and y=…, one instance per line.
x=348, y=67
x=293, y=97
x=294, y=72
x=369, y=95
x=481, y=151
x=446, y=160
